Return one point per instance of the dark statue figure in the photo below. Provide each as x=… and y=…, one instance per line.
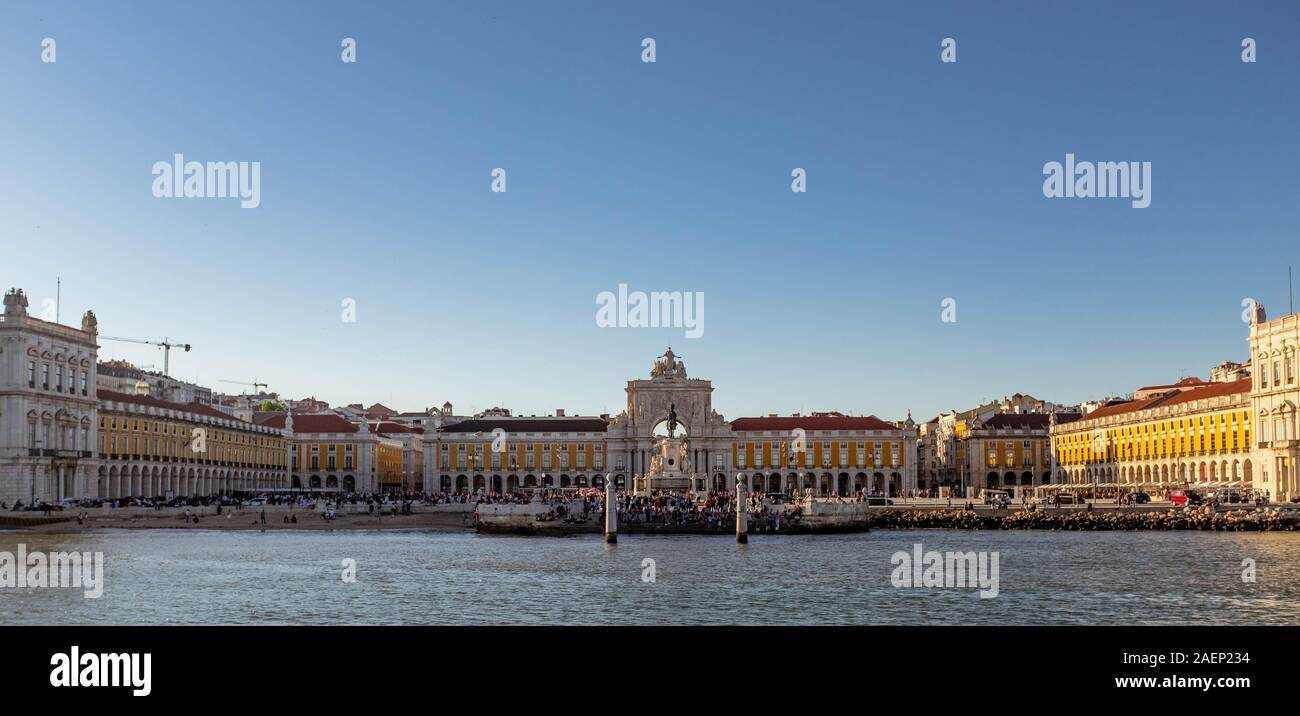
x=672, y=419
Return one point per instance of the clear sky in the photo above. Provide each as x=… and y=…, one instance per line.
x=924, y=182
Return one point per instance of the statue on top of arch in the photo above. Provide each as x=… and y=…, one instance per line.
x=667, y=366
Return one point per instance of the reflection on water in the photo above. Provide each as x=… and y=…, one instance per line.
x=430, y=577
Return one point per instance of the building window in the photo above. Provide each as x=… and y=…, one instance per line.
x=31, y=374
x=58, y=378
x=45, y=376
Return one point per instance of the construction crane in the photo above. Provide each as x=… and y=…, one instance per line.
x=166, y=344
x=255, y=384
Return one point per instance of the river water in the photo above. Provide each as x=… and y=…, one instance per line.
x=459, y=578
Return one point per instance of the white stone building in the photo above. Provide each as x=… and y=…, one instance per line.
x=1274, y=398
x=48, y=407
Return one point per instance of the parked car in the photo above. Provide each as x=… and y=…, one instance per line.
x=1141, y=498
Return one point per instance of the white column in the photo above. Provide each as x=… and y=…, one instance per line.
x=742, y=513
x=611, y=512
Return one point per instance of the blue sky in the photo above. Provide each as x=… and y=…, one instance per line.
x=924, y=182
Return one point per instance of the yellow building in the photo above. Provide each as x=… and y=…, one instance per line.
x=390, y=464
x=405, y=471
x=1008, y=451
x=1199, y=436
x=828, y=453
x=504, y=453
x=154, y=448
x=330, y=453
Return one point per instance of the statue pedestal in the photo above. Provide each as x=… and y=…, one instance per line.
x=667, y=468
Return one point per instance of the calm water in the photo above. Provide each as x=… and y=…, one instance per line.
x=426, y=577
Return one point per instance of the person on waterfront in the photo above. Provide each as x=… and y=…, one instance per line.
x=263, y=517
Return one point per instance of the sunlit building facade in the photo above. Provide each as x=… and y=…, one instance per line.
x=1274, y=399
x=1237, y=431
x=1197, y=436
x=826, y=453
x=155, y=448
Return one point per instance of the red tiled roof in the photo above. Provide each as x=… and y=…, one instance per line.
x=314, y=423
x=379, y=410
x=198, y=408
x=1185, y=382
x=528, y=425
x=1209, y=390
x=1019, y=421
x=870, y=422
